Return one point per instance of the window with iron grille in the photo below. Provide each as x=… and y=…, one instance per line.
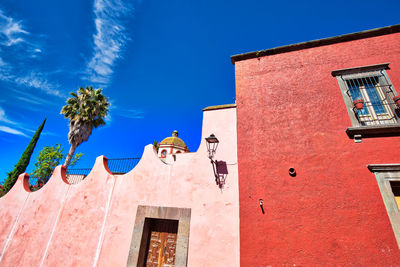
x=371, y=100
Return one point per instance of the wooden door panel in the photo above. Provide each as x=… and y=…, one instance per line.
x=154, y=249
x=169, y=249
x=162, y=243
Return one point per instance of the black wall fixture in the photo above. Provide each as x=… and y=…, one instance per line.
x=292, y=172
x=261, y=205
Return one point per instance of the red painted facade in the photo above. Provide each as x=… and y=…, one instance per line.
x=290, y=113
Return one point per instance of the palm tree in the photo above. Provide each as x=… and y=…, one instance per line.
x=86, y=109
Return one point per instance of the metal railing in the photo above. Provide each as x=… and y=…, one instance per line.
x=377, y=95
x=372, y=118
x=36, y=183
x=74, y=176
x=84, y=171
x=122, y=165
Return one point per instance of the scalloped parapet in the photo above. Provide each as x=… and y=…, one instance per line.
x=24, y=178
x=91, y=223
x=11, y=206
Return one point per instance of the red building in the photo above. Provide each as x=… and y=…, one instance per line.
x=313, y=181
x=326, y=167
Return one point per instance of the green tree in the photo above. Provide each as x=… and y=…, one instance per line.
x=156, y=145
x=86, y=109
x=23, y=162
x=49, y=158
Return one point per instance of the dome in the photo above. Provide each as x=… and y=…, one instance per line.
x=174, y=140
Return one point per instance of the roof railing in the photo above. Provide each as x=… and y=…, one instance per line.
x=74, y=176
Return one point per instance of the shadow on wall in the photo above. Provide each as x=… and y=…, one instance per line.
x=221, y=173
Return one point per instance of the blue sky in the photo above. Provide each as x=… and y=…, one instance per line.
x=159, y=62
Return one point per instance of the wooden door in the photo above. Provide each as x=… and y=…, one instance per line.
x=162, y=243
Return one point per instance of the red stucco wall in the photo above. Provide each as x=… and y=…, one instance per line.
x=291, y=114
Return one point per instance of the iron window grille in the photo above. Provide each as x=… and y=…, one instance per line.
x=371, y=84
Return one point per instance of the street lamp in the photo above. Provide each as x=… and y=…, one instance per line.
x=212, y=144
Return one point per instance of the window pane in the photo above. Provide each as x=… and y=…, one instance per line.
x=374, y=97
x=356, y=94
x=396, y=191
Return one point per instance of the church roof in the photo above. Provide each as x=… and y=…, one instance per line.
x=173, y=140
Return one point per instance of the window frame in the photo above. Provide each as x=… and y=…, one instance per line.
x=358, y=131
x=385, y=173
x=366, y=90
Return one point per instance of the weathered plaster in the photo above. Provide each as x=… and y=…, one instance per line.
x=91, y=223
x=291, y=114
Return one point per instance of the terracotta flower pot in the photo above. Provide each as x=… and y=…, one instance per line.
x=396, y=100
x=359, y=103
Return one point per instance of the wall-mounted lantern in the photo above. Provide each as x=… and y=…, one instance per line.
x=212, y=144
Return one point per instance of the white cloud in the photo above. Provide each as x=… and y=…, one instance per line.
x=29, y=100
x=4, y=118
x=11, y=131
x=49, y=133
x=42, y=133
x=11, y=31
x=34, y=100
x=108, y=40
x=38, y=81
x=13, y=68
x=33, y=80
x=108, y=118
x=31, y=97
x=131, y=113
x=124, y=112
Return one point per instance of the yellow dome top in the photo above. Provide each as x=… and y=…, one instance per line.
x=174, y=140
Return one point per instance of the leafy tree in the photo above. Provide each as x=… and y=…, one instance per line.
x=23, y=162
x=86, y=109
x=49, y=158
x=156, y=145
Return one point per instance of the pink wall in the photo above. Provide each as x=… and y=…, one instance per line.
x=91, y=223
x=12, y=205
x=291, y=114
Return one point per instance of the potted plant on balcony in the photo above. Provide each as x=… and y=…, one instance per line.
x=396, y=100
x=358, y=103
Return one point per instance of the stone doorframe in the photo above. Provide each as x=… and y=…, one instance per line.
x=137, y=252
